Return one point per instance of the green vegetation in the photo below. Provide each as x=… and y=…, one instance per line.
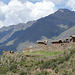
x=39, y=63
x=42, y=73
x=43, y=53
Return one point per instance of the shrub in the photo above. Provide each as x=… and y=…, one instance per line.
x=13, y=68
x=65, y=72
x=4, y=70
x=23, y=73
x=56, y=70
x=42, y=73
x=22, y=63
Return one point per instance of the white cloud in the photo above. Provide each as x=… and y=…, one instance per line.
x=71, y=3
x=2, y=16
x=58, y=1
x=18, y=11
x=42, y=9
x=23, y=1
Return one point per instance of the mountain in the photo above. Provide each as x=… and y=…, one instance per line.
x=50, y=27
x=7, y=32
x=67, y=33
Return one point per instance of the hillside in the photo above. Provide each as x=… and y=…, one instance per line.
x=7, y=32
x=67, y=33
x=50, y=27
x=39, y=63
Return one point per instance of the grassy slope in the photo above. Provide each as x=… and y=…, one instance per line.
x=38, y=63
x=43, y=53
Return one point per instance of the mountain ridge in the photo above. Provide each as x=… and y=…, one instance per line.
x=67, y=33
x=50, y=27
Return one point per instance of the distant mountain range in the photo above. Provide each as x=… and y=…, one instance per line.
x=16, y=37
x=7, y=32
x=67, y=33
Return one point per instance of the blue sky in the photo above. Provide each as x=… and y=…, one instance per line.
x=5, y=1
x=22, y=11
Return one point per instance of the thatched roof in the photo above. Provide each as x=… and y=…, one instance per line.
x=68, y=38
x=62, y=40
x=44, y=41
x=56, y=40
x=72, y=36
